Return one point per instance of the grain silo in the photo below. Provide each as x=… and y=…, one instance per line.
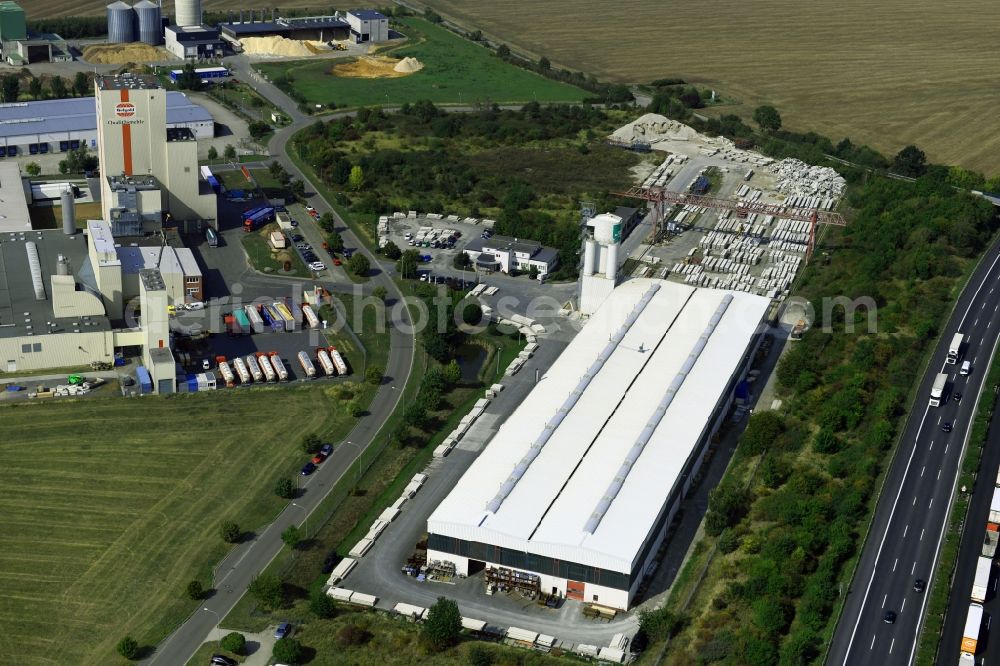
x=150, y=25
x=68, y=204
x=187, y=13
x=121, y=23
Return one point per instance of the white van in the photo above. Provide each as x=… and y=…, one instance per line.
x=966, y=368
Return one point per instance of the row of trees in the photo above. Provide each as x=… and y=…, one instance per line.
x=14, y=86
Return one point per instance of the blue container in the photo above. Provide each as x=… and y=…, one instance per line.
x=145, y=381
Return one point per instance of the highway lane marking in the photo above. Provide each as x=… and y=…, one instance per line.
x=906, y=471
x=895, y=563
x=905, y=530
x=931, y=503
x=884, y=600
x=976, y=323
x=946, y=447
x=903, y=607
x=939, y=420
x=913, y=568
x=922, y=471
x=995, y=585
x=921, y=535
x=873, y=643
x=931, y=447
x=983, y=306
x=891, y=645
x=939, y=475
x=914, y=501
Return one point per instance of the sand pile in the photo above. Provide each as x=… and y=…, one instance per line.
x=280, y=46
x=408, y=66
x=653, y=127
x=377, y=67
x=119, y=54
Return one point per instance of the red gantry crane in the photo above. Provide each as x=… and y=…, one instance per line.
x=660, y=197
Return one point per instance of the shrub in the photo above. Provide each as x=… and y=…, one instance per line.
x=127, y=647
x=311, y=443
x=284, y=489
x=234, y=642
x=267, y=590
x=480, y=655
x=287, y=650
x=322, y=605
x=443, y=625
x=292, y=536
x=230, y=531
x=194, y=590
x=352, y=635
x=373, y=374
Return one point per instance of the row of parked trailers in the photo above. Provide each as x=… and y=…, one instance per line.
x=265, y=367
x=981, y=584
x=285, y=315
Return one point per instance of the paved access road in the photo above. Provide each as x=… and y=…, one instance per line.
x=909, y=522
x=247, y=560
x=968, y=557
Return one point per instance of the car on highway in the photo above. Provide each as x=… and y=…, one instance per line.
x=326, y=449
x=957, y=397
x=919, y=585
x=889, y=617
x=308, y=469
x=317, y=266
x=297, y=238
x=946, y=426
x=283, y=631
x=318, y=458
x=223, y=660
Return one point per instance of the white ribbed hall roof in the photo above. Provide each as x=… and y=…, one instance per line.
x=582, y=468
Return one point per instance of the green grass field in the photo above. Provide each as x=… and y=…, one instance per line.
x=456, y=71
x=106, y=516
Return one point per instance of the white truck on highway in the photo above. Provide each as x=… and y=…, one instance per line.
x=995, y=506
x=954, y=348
x=984, y=567
x=973, y=622
x=937, y=391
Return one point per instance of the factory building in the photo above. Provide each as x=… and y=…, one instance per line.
x=574, y=494
x=182, y=278
x=21, y=48
x=59, y=125
x=368, y=25
x=196, y=42
x=15, y=217
x=312, y=28
x=504, y=254
x=146, y=168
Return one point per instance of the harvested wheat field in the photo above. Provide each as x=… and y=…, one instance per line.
x=886, y=73
x=119, y=54
x=377, y=67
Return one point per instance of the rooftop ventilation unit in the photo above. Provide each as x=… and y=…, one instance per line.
x=36, y=270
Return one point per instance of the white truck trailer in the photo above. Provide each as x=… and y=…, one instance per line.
x=279, y=367
x=995, y=506
x=254, y=367
x=227, y=373
x=312, y=321
x=973, y=623
x=256, y=321
x=954, y=348
x=984, y=567
x=241, y=370
x=937, y=391
x=324, y=360
x=265, y=365
x=338, y=361
x=307, y=365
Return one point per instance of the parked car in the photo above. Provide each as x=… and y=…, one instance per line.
x=283, y=631
x=308, y=469
x=223, y=660
x=318, y=458
x=317, y=266
x=206, y=364
x=326, y=449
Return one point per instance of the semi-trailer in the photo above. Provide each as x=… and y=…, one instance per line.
x=242, y=320
x=266, y=367
x=285, y=314
x=256, y=323
x=312, y=321
x=296, y=311
x=954, y=348
x=232, y=325
x=324, y=360
x=307, y=365
x=254, y=367
x=982, y=581
x=937, y=391
x=973, y=622
x=255, y=218
x=991, y=539
x=995, y=506
x=227, y=373
x=338, y=361
x=279, y=366
x=272, y=318
x=241, y=370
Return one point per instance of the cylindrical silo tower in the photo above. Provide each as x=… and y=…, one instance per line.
x=68, y=204
x=187, y=12
x=121, y=23
x=589, y=256
x=611, y=267
x=148, y=19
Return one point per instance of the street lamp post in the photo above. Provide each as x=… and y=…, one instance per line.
x=499, y=353
x=305, y=521
x=218, y=617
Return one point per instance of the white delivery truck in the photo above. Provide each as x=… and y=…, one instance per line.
x=954, y=348
x=973, y=622
x=995, y=506
x=937, y=391
x=984, y=567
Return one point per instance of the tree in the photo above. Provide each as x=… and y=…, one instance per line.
x=292, y=536
x=380, y=293
x=297, y=188
x=258, y=129
x=767, y=118
x=761, y=432
x=267, y=590
x=194, y=590
x=480, y=655
x=452, y=373
x=353, y=635
x=230, y=531
x=335, y=241
x=284, y=489
x=287, y=651
x=35, y=87
x=127, y=647
x=358, y=264
x=503, y=51
x=407, y=264
x=356, y=408
x=391, y=251
x=10, y=88
x=472, y=312
x=373, y=374
x=229, y=152
x=311, y=443
x=910, y=161
x=660, y=624
x=32, y=169
x=727, y=504
x=57, y=87
x=443, y=625
x=415, y=415
x=544, y=64
x=461, y=261
x=213, y=154
x=234, y=642
x=321, y=605
x=357, y=178
x=327, y=223
x=188, y=79
x=80, y=84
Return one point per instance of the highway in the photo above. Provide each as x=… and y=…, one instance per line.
x=247, y=560
x=970, y=550
x=910, y=519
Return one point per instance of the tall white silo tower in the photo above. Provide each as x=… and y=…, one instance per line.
x=600, y=260
x=187, y=13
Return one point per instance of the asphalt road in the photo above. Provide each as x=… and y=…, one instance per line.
x=910, y=519
x=246, y=561
x=970, y=550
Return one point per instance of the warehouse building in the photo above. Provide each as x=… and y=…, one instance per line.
x=575, y=492
x=504, y=254
x=13, y=199
x=193, y=42
x=147, y=169
x=312, y=28
x=59, y=125
x=19, y=47
x=368, y=25
x=182, y=278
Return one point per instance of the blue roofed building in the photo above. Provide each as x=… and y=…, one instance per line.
x=59, y=125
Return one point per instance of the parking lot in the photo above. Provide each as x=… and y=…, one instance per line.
x=437, y=237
